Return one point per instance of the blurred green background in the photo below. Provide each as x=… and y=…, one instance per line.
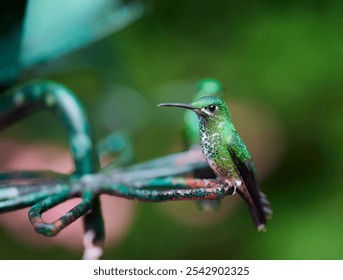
x=281, y=65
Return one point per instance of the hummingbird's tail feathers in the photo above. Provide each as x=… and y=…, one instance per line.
x=258, y=213
x=267, y=208
x=250, y=190
x=259, y=223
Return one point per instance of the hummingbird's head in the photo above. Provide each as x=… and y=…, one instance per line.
x=207, y=108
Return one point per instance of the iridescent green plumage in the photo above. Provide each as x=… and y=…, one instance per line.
x=227, y=155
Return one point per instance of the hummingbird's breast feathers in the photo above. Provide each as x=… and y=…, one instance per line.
x=214, y=141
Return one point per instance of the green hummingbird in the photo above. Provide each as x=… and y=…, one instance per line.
x=227, y=155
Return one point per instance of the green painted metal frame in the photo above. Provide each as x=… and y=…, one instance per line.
x=153, y=181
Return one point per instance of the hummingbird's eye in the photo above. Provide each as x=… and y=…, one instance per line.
x=212, y=108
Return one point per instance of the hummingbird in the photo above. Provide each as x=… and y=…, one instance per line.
x=227, y=155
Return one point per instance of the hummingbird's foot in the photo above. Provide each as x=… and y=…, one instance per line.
x=233, y=184
x=232, y=188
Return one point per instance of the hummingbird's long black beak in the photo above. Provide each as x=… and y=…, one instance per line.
x=181, y=105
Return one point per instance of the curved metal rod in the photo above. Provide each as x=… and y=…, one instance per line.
x=51, y=229
x=62, y=103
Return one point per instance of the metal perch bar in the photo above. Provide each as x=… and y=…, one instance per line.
x=28, y=199
x=176, y=182
x=14, y=185
x=179, y=189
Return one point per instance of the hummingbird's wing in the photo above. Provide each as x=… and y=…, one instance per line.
x=258, y=203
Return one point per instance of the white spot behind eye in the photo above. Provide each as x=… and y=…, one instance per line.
x=206, y=112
